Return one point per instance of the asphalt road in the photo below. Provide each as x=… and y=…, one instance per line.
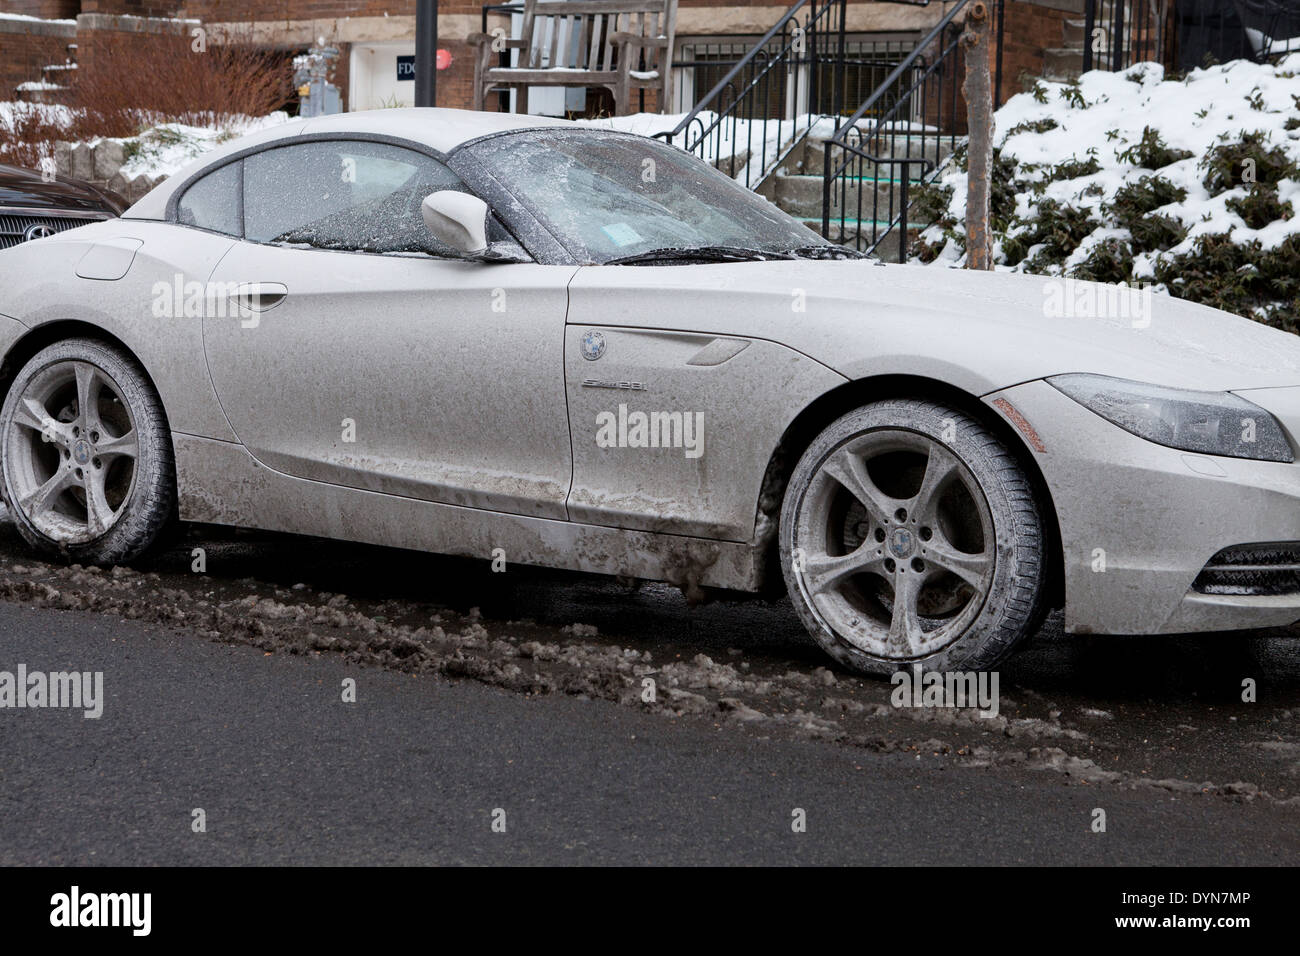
x=412, y=772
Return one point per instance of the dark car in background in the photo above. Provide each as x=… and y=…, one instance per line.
x=32, y=207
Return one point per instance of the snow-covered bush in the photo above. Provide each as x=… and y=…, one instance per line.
x=1188, y=184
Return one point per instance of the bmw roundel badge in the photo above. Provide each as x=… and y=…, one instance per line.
x=593, y=345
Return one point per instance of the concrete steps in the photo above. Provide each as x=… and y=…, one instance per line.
x=55, y=84
x=1064, y=64
x=862, y=204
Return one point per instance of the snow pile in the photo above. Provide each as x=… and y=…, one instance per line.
x=162, y=150
x=1133, y=177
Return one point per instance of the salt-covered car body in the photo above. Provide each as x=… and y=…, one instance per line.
x=465, y=404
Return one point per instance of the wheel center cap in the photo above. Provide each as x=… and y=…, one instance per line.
x=81, y=451
x=901, y=542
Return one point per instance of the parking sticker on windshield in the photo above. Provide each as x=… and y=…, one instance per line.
x=621, y=233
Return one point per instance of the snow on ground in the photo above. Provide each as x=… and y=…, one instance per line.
x=160, y=149
x=166, y=148
x=1105, y=115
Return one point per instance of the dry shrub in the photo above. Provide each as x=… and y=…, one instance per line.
x=135, y=81
x=131, y=82
x=28, y=132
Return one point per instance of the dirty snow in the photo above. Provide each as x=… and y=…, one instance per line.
x=1136, y=743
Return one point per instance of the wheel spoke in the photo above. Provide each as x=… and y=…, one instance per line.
x=40, y=500
x=971, y=568
x=851, y=472
x=32, y=414
x=823, y=572
x=99, y=515
x=122, y=446
x=88, y=388
x=905, y=632
x=939, y=467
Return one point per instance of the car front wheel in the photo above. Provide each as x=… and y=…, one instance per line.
x=88, y=469
x=910, y=535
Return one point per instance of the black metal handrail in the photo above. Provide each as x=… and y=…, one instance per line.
x=1182, y=36
x=1122, y=37
x=881, y=135
x=785, y=63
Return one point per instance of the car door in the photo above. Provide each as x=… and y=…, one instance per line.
x=357, y=350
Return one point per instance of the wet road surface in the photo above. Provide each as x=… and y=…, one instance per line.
x=526, y=691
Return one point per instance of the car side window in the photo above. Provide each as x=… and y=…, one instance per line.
x=213, y=202
x=344, y=194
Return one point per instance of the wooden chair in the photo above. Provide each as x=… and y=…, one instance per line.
x=621, y=45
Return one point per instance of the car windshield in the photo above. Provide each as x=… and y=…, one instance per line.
x=610, y=197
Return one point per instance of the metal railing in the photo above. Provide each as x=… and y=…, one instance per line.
x=904, y=130
x=1119, y=33
x=733, y=126
x=1185, y=34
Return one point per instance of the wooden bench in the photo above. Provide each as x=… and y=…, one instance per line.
x=621, y=45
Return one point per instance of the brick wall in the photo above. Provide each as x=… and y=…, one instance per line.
x=95, y=31
x=135, y=8
x=26, y=47
x=1031, y=29
x=46, y=9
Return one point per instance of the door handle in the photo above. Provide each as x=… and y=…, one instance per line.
x=261, y=296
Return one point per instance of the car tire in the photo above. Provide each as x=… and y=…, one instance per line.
x=913, y=499
x=89, y=474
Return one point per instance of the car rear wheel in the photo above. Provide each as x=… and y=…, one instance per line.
x=88, y=469
x=910, y=535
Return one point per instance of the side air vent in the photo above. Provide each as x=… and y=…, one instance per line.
x=1252, y=569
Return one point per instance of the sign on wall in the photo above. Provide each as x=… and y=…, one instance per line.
x=406, y=65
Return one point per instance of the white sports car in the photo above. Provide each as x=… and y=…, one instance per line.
x=513, y=337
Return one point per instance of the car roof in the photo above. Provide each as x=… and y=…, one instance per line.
x=437, y=128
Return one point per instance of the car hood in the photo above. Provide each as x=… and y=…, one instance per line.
x=25, y=188
x=981, y=331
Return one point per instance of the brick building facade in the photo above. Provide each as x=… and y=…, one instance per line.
x=371, y=34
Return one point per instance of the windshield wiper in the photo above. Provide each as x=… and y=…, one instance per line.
x=698, y=254
x=827, y=252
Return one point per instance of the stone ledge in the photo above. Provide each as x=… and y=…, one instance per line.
x=66, y=29
x=124, y=23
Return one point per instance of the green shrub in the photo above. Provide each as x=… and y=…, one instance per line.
x=1151, y=152
x=1110, y=260
x=1133, y=208
x=1227, y=164
x=1260, y=206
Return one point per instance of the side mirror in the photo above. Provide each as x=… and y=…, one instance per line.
x=457, y=219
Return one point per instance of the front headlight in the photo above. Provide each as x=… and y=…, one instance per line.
x=1212, y=423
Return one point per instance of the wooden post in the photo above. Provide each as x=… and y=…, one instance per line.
x=978, y=91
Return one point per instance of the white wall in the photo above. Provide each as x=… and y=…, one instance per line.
x=373, y=79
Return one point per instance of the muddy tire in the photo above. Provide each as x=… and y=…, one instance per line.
x=910, y=536
x=89, y=474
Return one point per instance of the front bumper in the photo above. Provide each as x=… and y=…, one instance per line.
x=1139, y=522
